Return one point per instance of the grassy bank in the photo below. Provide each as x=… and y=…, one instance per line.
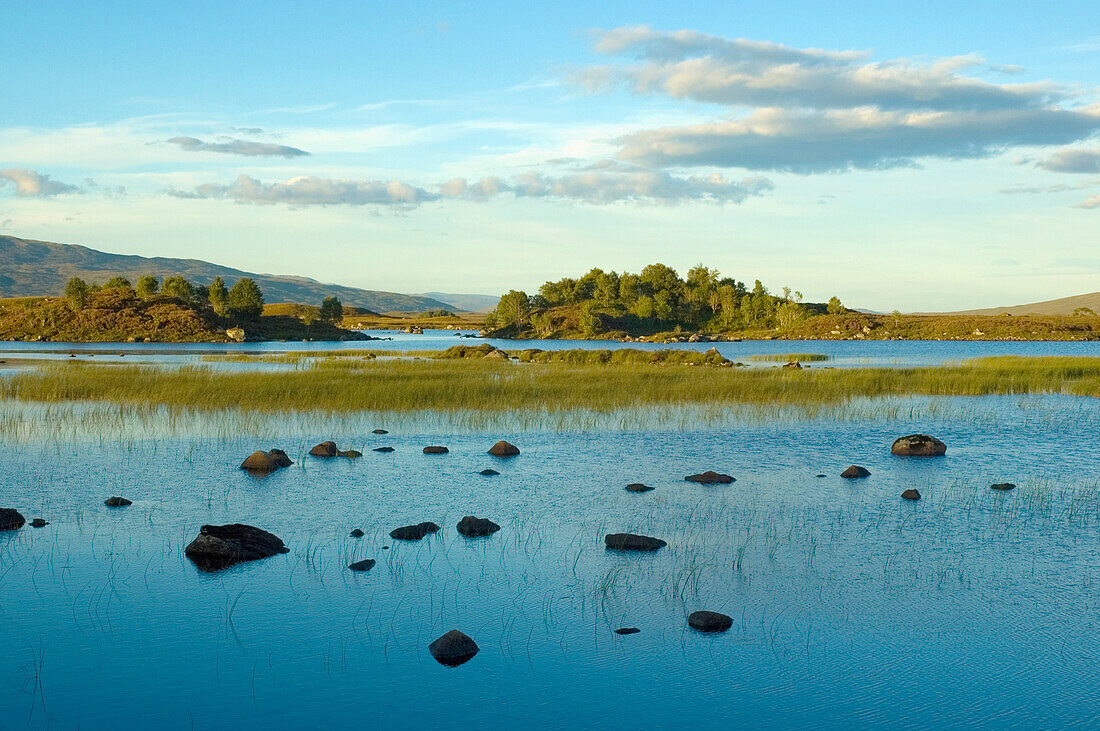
x=346, y=385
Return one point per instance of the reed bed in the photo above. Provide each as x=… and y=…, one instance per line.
x=343, y=385
x=789, y=357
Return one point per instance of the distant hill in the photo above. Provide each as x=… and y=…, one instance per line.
x=1063, y=306
x=466, y=302
x=38, y=268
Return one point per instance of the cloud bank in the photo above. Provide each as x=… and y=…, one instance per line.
x=32, y=184
x=237, y=147
x=311, y=191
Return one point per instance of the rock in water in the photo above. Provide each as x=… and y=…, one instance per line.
x=632, y=542
x=435, y=450
x=854, y=472
x=413, y=532
x=504, y=449
x=918, y=445
x=279, y=457
x=911, y=494
x=221, y=546
x=383, y=449
x=488, y=473
x=11, y=519
x=357, y=533
x=710, y=478
x=627, y=631
x=117, y=502
x=350, y=454
x=39, y=523
x=365, y=565
x=259, y=462
x=709, y=621
x=638, y=487
x=379, y=431
x=453, y=649
x=473, y=527
x=1002, y=486
x=324, y=449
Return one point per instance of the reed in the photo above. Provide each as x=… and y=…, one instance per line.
x=789, y=357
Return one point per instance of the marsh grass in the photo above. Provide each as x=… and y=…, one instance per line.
x=788, y=357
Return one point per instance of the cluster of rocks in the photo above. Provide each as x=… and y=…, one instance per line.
x=261, y=462
x=328, y=450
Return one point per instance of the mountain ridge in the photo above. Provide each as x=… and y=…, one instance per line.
x=1059, y=306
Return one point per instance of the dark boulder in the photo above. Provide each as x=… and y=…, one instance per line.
x=365, y=565
x=473, y=527
x=638, y=487
x=793, y=365
x=1002, y=486
x=357, y=533
x=350, y=454
x=259, y=462
x=117, y=502
x=911, y=494
x=488, y=473
x=280, y=457
x=632, y=542
x=504, y=449
x=11, y=519
x=918, y=445
x=221, y=546
x=379, y=431
x=453, y=649
x=627, y=631
x=39, y=523
x=436, y=450
x=324, y=449
x=705, y=621
x=710, y=478
x=855, y=472
x=383, y=449
x=413, y=532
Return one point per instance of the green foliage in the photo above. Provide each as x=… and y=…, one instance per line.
x=218, y=296
x=437, y=313
x=245, y=299
x=147, y=286
x=76, y=292
x=331, y=310
x=834, y=307
x=513, y=310
x=117, y=283
x=176, y=287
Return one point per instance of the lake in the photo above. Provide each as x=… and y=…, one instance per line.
x=851, y=606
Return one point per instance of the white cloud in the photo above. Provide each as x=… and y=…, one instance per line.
x=32, y=184
x=234, y=146
x=1079, y=160
x=1093, y=201
x=312, y=191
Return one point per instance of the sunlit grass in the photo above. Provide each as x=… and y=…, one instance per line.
x=788, y=357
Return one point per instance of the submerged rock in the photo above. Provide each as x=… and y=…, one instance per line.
x=1002, y=486
x=638, y=487
x=436, y=450
x=365, y=565
x=911, y=494
x=488, y=473
x=117, y=502
x=280, y=457
x=324, y=449
x=357, y=533
x=854, y=472
x=504, y=449
x=350, y=454
x=383, y=449
x=473, y=527
x=705, y=621
x=918, y=445
x=627, y=631
x=632, y=542
x=413, y=532
x=453, y=649
x=379, y=431
x=11, y=519
x=259, y=462
x=221, y=546
x=39, y=523
x=710, y=478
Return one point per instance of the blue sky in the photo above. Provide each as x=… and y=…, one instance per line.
x=904, y=155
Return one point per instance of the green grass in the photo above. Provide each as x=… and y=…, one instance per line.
x=789, y=357
x=342, y=385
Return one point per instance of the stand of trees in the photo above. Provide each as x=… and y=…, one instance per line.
x=654, y=300
x=245, y=301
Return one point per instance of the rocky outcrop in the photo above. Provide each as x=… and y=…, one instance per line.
x=117, y=502
x=280, y=458
x=918, y=445
x=473, y=527
x=350, y=454
x=220, y=546
x=259, y=462
x=504, y=449
x=453, y=649
x=11, y=519
x=710, y=478
x=705, y=621
x=413, y=532
x=324, y=449
x=855, y=472
x=632, y=542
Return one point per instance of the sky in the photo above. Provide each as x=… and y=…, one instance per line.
x=902, y=155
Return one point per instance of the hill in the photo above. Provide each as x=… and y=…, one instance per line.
x=40, y=268
x=1062, y=306
x=465, y=302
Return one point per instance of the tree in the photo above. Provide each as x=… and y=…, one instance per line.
x=76, y=291
x=176, y=287
x=513, y=309
x=218, y=296
x=331, y=310
x=245, y=299
x=117, y=283
x=147, y=286
x=834, y=307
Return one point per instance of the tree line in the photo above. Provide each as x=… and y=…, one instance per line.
x=244, y=301
x=655, y=299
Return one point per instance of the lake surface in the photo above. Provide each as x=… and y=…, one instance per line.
x=851, y=607
x=842, y=353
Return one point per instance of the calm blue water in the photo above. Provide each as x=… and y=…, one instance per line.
x=843, y=353
x=852, y=608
